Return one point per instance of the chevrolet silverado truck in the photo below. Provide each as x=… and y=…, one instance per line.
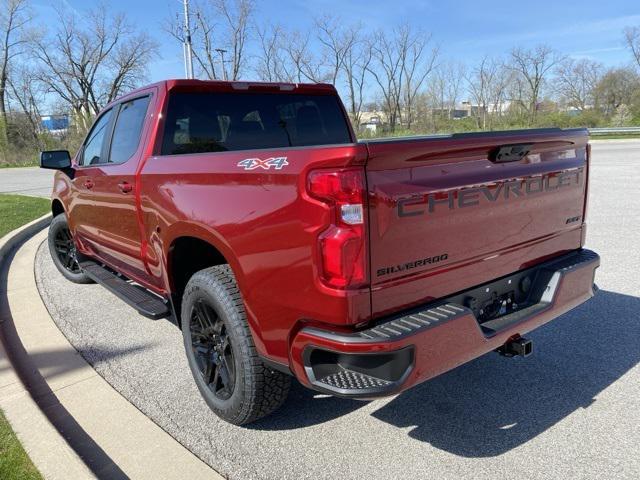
x=250, y=215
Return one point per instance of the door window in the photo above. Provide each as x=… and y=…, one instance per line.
x=128, y=130
x=92, y=152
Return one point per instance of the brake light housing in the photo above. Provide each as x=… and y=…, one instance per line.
x=342, y=245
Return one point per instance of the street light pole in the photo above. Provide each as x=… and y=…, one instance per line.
x=188, y=58
x=222, y=51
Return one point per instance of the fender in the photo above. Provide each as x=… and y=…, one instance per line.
x=201, y=232
x=215, y=239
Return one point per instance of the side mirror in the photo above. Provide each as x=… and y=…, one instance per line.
x=55, y=159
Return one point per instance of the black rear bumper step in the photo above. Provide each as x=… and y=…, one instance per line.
x=542, y=281
x=145, y=302
x=344, y=379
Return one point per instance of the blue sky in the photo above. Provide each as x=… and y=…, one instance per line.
x=464, y=29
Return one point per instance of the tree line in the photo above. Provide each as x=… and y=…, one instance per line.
x=398, y=76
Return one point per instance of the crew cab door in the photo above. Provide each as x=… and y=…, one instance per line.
x=110, y=226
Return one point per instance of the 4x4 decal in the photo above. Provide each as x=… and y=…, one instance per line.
x=252, y=163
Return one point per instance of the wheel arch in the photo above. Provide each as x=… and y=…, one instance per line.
x=57, y=207
x=187, y=255
x=190, y=249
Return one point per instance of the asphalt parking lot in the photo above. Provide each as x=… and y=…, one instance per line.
x=572, y=410
x=31, y=181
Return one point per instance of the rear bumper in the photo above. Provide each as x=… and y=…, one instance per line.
x=419, y=344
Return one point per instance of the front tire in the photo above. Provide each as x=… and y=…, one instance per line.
x=223, y=359
x=63, y=251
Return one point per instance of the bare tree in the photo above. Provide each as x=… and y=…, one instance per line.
x=336, y=43
x=271, y=62
x=237, y=15
x=418, y=62
x=446, y=86
x=400, y=67
x=386, y=69
x=533, y=66
x=90, y=61
x=488, y=83
x=632, y=38
x=356, y=63
x=576, y=82
x=301, y=64
x=204, y=51
x=481, y=82
x=221, y=27
x=27, y=94
x=13, y=18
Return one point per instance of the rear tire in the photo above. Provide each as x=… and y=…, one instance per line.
x=63, y=251
x=230, y=375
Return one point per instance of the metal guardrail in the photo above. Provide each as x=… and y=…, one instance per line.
x=613, y=130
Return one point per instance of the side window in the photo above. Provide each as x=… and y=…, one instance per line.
x=128, y=129
x=93, y=145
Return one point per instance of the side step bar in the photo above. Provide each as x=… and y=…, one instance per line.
x=145, y=302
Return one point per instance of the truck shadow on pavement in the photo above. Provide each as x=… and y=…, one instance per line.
x=493, y=404
x=56, y=363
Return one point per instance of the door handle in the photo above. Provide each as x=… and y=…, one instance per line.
x=88, y=183
x=125, y=187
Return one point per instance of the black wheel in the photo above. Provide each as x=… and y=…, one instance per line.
x=234, y=382
x=63, y=251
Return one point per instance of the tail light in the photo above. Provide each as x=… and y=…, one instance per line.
x=342, y=244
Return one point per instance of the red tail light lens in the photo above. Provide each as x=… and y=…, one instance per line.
x=343, y=244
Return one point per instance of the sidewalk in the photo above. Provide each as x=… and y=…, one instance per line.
x=71, y=422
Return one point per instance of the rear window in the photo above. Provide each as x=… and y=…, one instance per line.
x=218, y=122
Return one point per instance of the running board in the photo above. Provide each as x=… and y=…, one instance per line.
x=145, y=302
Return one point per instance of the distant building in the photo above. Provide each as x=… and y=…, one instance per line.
x=467, y=109
x=55, y=124
x=371, y=121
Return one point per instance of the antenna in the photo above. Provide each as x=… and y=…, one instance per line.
x=188, y=57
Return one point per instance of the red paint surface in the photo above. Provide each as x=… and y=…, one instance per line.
x=266, y=225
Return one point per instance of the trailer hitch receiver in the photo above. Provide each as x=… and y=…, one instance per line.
x=517, y=347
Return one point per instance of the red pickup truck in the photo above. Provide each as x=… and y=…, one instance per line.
x=250, y=215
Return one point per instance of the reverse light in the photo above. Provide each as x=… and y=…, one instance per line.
x=352, y=214
x=342, y=245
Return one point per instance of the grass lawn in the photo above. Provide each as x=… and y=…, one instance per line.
x=16, y=210
x=14, y=462
x=19, y=165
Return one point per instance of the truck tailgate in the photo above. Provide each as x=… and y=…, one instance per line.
x=449, y=213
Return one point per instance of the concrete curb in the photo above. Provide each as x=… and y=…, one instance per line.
x=44, y=444
x=71, y=421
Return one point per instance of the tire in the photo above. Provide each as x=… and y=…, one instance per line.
x=63, y=251
x=217, y=340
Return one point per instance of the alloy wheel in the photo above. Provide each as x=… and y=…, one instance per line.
x=66, y=250
x=212, y=350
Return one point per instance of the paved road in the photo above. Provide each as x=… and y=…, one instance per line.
x=26, y=181
x=572, y=410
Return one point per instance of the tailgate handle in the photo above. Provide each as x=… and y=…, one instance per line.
x=510, y=153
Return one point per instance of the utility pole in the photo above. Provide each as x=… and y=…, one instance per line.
x=222, y=51
x=186, y=47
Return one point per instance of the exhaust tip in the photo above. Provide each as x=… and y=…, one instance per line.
x=518, y=347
